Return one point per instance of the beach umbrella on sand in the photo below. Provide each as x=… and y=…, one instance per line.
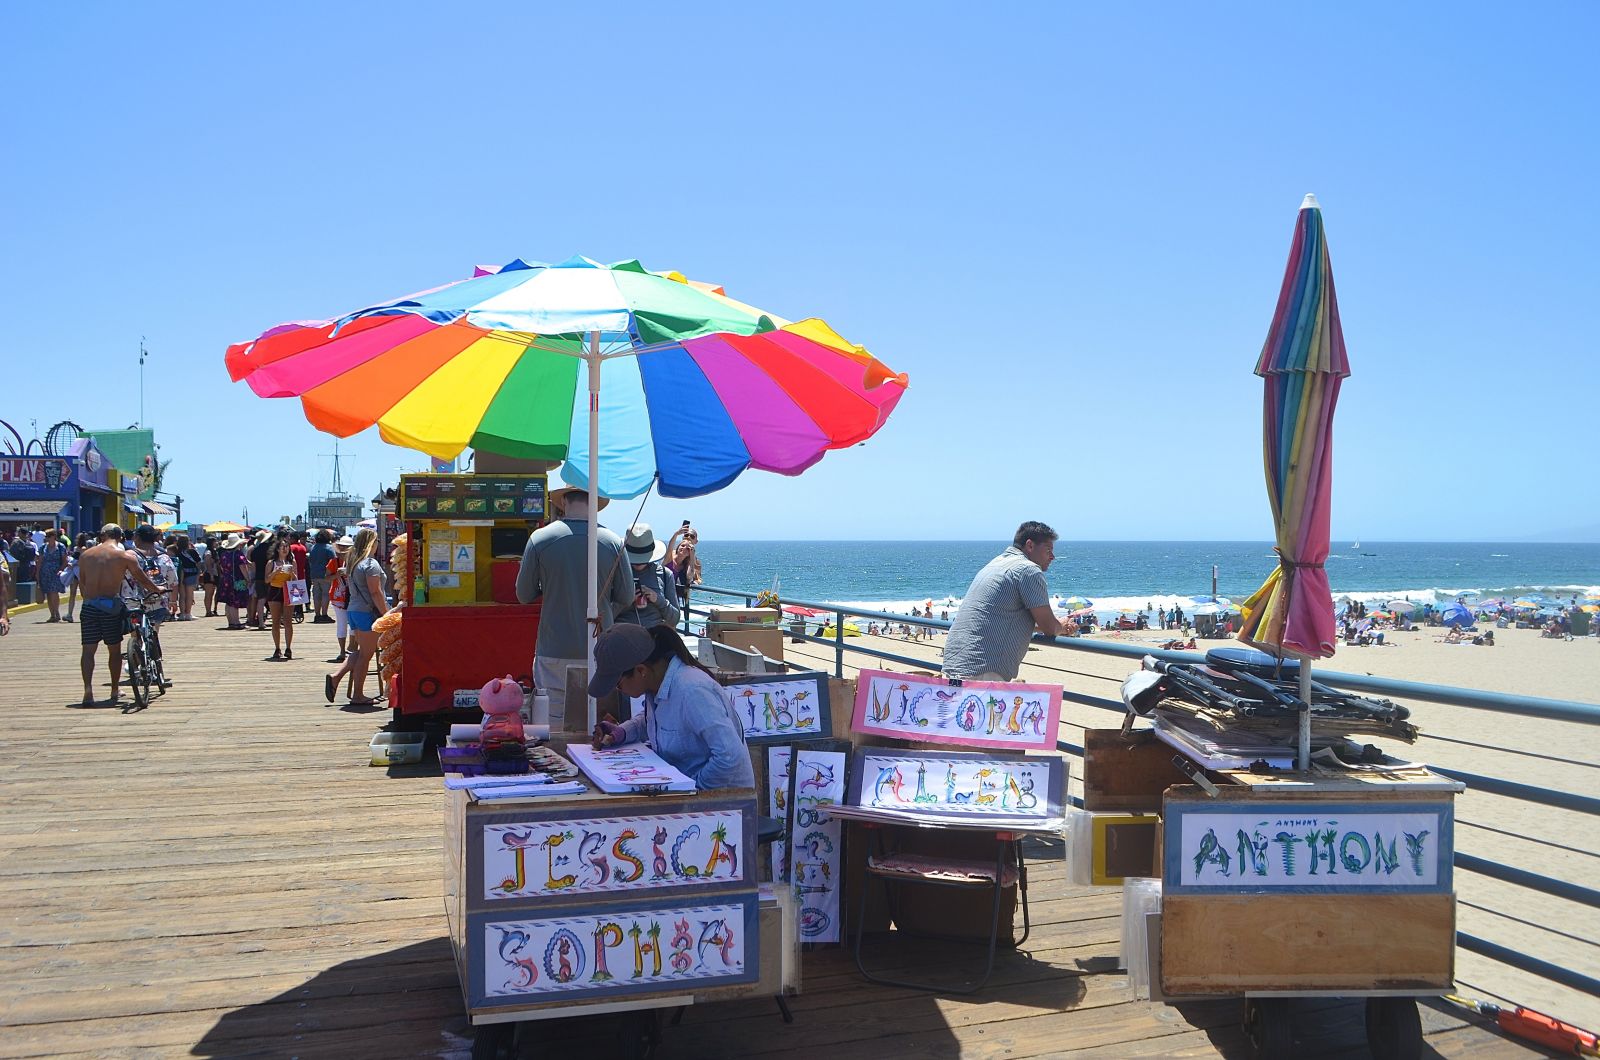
x=803, y=612
x=1076, y=603
x=1402, y=607
x=1303, y=364
x=1457, y=615
x=636, y=379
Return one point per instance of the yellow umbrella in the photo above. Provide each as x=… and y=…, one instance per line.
x=225, y=527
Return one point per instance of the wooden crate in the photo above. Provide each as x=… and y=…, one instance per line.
x=1126, y=773
x=1227, y=944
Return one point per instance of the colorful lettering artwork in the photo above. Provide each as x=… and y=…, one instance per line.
x=816, y=839
x=778, y=804
x=966, y=789
x=606, y=855
x=610, y=952
x=994, y=714
x=785, y=707
x=616, y=770
x=1308, y=847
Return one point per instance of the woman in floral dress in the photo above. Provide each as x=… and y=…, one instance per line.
x=233, y=578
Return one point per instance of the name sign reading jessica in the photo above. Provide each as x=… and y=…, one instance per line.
x=618, y=952
x=784, y=707
x=1005, y=715
x=958, y=788
x=1308, y=847
x=607, y=855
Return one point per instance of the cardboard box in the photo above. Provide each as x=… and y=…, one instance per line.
x=768, y=642
x=744, y=616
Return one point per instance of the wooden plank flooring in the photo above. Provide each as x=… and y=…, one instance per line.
x=223, y=875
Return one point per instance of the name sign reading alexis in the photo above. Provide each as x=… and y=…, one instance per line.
x=1308, y=847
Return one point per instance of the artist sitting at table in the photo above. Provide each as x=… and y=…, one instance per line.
x=688, y=720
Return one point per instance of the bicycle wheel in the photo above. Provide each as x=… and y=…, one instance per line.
x=136, y=670
x=156, y=673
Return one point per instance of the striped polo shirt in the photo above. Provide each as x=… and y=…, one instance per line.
x=993, y=626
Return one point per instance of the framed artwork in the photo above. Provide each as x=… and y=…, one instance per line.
x=1124, y=844
x=1001, y=715
x=1260, y=846
x=637, y=948
x=950, y=787
x=782, y=707
x=777, y=799
x=553, y=854
x=818, y=776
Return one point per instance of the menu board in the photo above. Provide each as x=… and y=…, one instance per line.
x=518, y=497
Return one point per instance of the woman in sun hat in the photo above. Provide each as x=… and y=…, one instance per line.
x=233, y=578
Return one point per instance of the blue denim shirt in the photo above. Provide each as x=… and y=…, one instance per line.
x=691, y=723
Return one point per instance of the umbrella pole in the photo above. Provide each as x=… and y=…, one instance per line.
x=593, y=359
x=1304, y=759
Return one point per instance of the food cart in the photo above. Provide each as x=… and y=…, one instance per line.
x=461, y=623
x=595, y=903
x=1285, y=885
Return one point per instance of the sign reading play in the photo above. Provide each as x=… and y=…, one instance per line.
x=1309, y=847
x=47, y=472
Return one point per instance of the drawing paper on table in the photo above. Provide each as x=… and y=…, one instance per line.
x=526, y=791
x=622, y=769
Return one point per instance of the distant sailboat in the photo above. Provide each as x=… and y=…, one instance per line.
x=1357, y=545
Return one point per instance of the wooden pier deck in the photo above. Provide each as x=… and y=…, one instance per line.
x=223, y=875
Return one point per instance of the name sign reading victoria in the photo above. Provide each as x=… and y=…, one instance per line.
x=1306, y=847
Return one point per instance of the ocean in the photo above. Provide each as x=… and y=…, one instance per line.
x=1126, y=575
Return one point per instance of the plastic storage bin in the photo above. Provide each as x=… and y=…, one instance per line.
x=398, y=748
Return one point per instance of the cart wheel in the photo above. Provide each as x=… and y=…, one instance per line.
x=493, y=1040
x=637, y=1037
x=1266, y=1025
x=1394, y=1028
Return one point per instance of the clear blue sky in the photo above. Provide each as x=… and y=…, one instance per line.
x=1068, y=223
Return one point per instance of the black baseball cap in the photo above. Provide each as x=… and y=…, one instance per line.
x=618, y=650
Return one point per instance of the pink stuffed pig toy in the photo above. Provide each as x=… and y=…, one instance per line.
x=501, y=701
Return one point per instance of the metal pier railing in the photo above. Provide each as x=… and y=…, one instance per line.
x=855, y=657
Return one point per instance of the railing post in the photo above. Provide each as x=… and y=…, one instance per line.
x=838, y=644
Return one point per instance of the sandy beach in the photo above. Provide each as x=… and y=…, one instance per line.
x=1552, y=842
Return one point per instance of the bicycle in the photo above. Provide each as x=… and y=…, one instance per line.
x=143, y=669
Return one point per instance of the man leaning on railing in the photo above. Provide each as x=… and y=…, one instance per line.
x=1006, y=602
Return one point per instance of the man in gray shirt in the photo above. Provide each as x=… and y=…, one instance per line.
x=1006, y=602
x=555, y=570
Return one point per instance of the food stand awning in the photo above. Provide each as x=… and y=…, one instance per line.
x=27, y=511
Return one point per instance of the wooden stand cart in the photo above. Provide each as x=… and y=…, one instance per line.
x=1291, y=885
x=592, y=904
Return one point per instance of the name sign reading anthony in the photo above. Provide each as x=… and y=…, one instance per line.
x=1308, y=847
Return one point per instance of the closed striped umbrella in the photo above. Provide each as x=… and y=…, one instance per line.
x=1303, y=364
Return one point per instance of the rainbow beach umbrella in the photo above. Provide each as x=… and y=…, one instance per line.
x=633, y=379
x=1303, y=364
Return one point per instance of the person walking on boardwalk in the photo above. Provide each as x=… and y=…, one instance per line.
x=102, y=572
x=555, y=570
x=1006, y=602
x=369, y=602
x=233, y=573
x=5, y=594
x=52, y=562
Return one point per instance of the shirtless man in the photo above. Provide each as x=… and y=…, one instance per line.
x=101, y=571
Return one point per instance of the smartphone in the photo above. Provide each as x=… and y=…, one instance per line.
x=686, y=522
